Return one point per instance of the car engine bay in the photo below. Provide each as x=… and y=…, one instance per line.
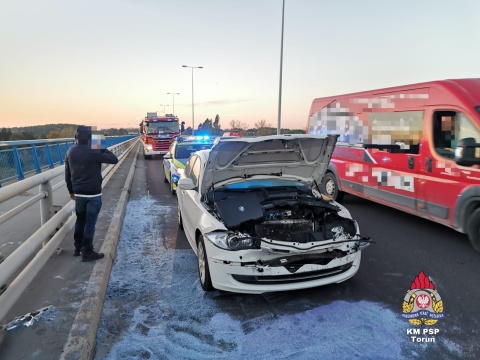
x=292, y=215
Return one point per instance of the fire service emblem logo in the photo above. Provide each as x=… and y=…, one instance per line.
x=422, y=305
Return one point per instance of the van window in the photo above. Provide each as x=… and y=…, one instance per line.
x=466, y=129
x=448, y=128
x=336, y=119
x=395, y=131
x=398, y=132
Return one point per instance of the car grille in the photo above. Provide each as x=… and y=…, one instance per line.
x=292, y=278
x=162, y=144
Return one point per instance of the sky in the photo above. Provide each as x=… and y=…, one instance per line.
x=109, y=62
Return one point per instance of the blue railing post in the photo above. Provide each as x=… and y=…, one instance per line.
x=59, y=152
x=35, y=159
x=49, y=156
x=18, y=165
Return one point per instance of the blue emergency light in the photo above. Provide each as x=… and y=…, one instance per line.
x=201, y=138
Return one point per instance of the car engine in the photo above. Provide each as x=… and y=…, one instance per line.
x=287, y=215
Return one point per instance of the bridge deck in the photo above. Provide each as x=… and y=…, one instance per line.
x=63, y=284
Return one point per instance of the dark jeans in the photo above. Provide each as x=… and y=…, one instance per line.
x=87, y=210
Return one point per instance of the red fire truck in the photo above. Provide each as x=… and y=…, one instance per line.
x=415, y=148
x=158, y=133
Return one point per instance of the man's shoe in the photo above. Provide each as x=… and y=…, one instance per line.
x=92, y=256
x=77, y=252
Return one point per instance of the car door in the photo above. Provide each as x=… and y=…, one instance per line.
x=188, y=199
x=167, y=163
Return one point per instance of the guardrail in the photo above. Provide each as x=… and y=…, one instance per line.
x=19, y=159
x=21, y=267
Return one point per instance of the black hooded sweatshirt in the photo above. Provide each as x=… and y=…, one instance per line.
x=83, y=169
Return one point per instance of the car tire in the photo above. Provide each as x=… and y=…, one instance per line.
x=165, y=180
x=473, y=229
x=203, y=269
x=179, y=218
x=172, y=190
x=146, y=157
x=330, y=187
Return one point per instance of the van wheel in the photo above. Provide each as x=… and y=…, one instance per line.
x=330, y=187
x=203, y=270
x=473, y=229
x=165, y=180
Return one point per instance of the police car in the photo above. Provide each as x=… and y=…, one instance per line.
x=175, y=159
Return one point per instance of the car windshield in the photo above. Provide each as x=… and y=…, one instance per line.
x=161, y=127
x=184, y=150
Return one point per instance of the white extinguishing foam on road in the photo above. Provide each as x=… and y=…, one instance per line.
x=155, y=308
x=27, y=319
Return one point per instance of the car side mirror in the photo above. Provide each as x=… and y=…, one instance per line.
x=186, y=184
x=467, y=152
x=167, y=156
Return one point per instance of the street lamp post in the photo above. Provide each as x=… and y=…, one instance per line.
x=193, y=109
x=164, y=108
x=280, y=86
x=173, y=95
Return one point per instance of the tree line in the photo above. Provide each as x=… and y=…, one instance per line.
x=261, y=128
x=210, y=127
x=52, y=131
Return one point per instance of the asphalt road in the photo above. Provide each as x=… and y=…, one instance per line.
x=156, y=309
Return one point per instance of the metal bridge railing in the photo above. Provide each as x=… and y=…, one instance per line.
x=56, y=222
x=19, y=159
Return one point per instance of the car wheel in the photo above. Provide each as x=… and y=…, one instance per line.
x=165, y=180
x=179, y=217
x=330, y=187
x=146, y=156
x=473, y=229
x=172, y=190
x=203, y=270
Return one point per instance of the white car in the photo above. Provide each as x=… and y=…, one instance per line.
x=253, y=214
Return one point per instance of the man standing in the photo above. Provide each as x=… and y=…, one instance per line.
x=83, y=175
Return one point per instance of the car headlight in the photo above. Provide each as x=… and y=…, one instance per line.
x=232, y=241
x=149, y=147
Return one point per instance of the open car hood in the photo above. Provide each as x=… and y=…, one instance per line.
x=297, y=157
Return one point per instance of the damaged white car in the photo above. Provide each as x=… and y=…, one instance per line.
x=253, y=214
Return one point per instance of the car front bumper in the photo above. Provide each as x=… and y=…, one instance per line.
x=154, y=152
x=256, y=279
